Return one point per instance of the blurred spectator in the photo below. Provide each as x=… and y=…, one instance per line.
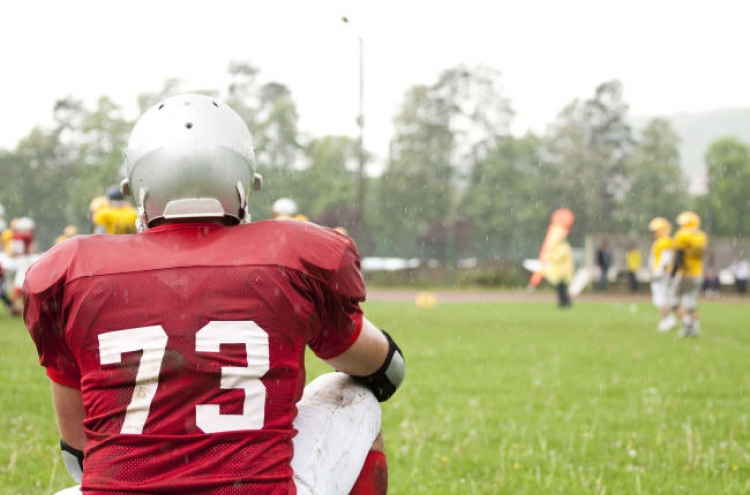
x=604, y=262
x=711, y=283
x=286, y=208
x=21, y=247
x=633, y=264
x=740, y=268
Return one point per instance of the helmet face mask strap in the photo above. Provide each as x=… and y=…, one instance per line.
x=242, y=197
x=142, y=217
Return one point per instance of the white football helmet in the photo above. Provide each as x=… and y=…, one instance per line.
x=24, y=224
x=284, y=207
x=190, y=156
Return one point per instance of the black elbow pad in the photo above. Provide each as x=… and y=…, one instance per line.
x=73, y=460
x=389, y=376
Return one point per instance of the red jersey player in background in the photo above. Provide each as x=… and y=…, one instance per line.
x=176, y=355
x=21, y=247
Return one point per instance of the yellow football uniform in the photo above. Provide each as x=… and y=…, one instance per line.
x=116, y=220
x=558, y=265
x=661, y=259
x=693, y=243
x=6, y=235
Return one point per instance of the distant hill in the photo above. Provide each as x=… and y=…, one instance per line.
x=697, y=131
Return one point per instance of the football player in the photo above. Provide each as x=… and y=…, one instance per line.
x=117, y=216
x=690, y=244
x=21, y=248
x=181, y=367
x=3, y=290
x=286, y=208
x=660, y=263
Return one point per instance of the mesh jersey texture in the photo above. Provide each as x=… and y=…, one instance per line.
x=154, y=327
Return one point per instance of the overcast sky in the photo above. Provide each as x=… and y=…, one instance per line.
x=671, y=55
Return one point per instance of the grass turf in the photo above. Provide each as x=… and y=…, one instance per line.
x=518, y=398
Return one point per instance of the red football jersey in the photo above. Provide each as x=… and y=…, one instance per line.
x=20, y=243
x=187, y=343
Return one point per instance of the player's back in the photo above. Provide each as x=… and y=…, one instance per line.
x=189, y=340
x=693, y=243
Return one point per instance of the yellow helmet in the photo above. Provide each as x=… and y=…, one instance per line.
x=688, y=219
x=660, y=226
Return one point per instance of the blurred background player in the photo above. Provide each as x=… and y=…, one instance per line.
x=3, y=289
x=21, y=248
x=202, y=301
x=286, y=208
x=690, y=244
x=68, y=232
x=558, y=269
x=561, y=221
x=660, y=264
x=95, y=205
x=117, y=216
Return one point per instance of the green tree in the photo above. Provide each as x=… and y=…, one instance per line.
x=330, y=193
x=441, y=132
x=271, y=115
x=508, y=200
x=55, y=173
x=589, y=144
x=728, y=203
x=656, y=184
x=97, y=157
x=39, y=172
x=416, y=189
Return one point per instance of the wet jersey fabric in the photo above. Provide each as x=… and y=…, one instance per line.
x=187, y=343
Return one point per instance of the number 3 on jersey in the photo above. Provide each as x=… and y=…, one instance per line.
x=152, y=341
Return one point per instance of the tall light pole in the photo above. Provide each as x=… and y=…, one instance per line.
x=360, y=212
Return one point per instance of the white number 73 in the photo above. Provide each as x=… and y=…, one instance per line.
x=152, y=341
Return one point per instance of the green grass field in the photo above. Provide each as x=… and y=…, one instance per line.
x=517, y=398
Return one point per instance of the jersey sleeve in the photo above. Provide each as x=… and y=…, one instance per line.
x=342, y=314
x=43, y=315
